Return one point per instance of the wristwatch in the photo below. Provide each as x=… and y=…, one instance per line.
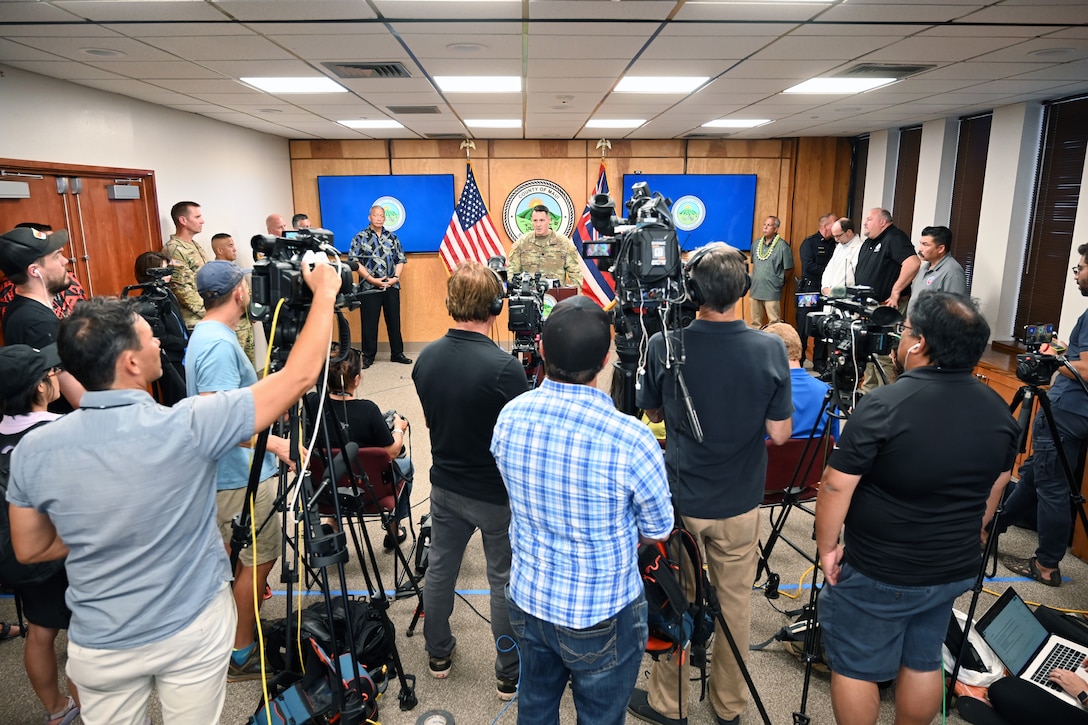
x=1083, y=697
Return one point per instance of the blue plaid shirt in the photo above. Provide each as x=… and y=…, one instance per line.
x=584, y=481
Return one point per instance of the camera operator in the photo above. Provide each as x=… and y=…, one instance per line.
x=586, y=483
x=1045, y=483
x=215, y=363
x=912, y=531
x=163, y=313
x=132, y=504
x=717, y=485
x=463, y=380
x=546, y=251
x=381, y=260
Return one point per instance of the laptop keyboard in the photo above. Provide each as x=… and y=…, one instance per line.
x=1060, y=657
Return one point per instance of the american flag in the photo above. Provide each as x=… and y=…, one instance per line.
x=596, y=285
x=471, y=234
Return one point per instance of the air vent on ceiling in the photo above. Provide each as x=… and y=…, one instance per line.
x=884, y=70
x=412, y=110
x=368, y=70
x=444, y=136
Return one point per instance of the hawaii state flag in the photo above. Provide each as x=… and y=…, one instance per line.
x=471, y=234
x=596, y=285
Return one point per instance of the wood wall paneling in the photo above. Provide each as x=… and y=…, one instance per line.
x=786, y=170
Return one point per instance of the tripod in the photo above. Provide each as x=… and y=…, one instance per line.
x=1024, y=399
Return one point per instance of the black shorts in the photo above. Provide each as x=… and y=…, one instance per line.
x=43, y=603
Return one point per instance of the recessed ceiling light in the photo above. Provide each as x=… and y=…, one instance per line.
x=615, y=123
x=466, y=48
x=660, y=84
x=103, y=52
x=479, y=84
x=371, y=123
x=1052, y=52
x=839, y=85
x=736, y=123
x=493, y=123
x=312, y=84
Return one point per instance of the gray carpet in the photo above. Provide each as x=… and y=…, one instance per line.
x=469, y=696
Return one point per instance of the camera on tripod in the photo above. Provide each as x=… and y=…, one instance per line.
x=856, y=326
x=1033, y=367
x=277, y=273
x=642, y=251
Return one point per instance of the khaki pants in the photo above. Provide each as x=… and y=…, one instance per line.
x=771, y=309
x=730, y=550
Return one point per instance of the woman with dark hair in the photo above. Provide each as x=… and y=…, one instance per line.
x=363, y=423
x=27, y=386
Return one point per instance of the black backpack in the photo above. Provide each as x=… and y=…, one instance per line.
x=12, y=572
x=675, y=621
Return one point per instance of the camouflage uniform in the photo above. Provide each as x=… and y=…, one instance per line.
x=245, y=338
x=183, y=279
x=554, y=257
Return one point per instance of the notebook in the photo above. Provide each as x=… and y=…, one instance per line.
x=1026, y=648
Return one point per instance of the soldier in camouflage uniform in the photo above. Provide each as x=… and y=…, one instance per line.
x=188, y=222
x=546, y=251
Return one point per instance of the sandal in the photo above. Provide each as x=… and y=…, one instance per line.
x=1030, y=568
x=388, y=544
x=11, y=631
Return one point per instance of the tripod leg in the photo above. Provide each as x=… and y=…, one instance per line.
x=1074, y=489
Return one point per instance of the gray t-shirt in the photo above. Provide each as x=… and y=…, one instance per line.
x=768, y=274
x=946, y=276
x=130, y=487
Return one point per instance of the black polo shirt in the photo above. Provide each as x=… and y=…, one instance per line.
x=880, y=260
x=815, y=254
x=928, y=449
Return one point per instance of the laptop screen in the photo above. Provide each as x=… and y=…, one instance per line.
x=1012, y=631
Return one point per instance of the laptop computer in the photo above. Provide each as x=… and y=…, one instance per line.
x=1026, y=648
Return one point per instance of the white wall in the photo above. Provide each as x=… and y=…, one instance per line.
x=936, y=175
x=238, y=176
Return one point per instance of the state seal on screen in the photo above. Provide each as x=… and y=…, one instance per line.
x=688, y=212
x=394, y=211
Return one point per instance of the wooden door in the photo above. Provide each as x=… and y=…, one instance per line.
x=106, y=235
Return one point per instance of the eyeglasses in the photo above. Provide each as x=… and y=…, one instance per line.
x=55, y=370
x=902, y=327
x=1078, y=268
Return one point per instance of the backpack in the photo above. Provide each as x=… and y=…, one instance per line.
x=675, y=621
x=12, y=572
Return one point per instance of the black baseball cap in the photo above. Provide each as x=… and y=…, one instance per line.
x=22, y=366
x=576, y=335
x=22, y=245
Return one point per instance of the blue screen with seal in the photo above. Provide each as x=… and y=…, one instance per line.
x=706, y=207
x=418, y=207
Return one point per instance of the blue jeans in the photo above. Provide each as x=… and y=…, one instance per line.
x=601, y=663
x=1048, y=484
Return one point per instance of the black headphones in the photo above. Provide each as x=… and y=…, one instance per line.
x=495, y=307
x=694, y=293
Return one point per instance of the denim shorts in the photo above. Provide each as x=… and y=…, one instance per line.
x=871, y=629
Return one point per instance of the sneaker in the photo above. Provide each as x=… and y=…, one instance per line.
x=66, y=716
x=248, y=670
x=639, y=706
x=440, y=666
x=506, y=688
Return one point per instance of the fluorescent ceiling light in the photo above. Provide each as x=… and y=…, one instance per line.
x=371, y=123
x=839, y=85
x=660, y=84
x=313, y=84
x=615, y=123
x=479, y=84
x=493, y=123
x=736, y=123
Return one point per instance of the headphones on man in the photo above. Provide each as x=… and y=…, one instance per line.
x=495, y=307
x=694, y=293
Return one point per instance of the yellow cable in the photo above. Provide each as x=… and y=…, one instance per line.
x=991, y=592
x=257, y=607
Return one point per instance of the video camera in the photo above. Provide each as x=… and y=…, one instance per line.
x=277, y=275
x=1033, y=367
x=641, y=252
x=856, y=326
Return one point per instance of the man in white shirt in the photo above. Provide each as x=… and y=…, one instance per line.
x=840, y=270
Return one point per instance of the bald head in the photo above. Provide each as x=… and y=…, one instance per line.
x=275, y=225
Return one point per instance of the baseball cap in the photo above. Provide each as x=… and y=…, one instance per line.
x=22, y=245
x=576, y=335
x=217, y=278
x=22, y=366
